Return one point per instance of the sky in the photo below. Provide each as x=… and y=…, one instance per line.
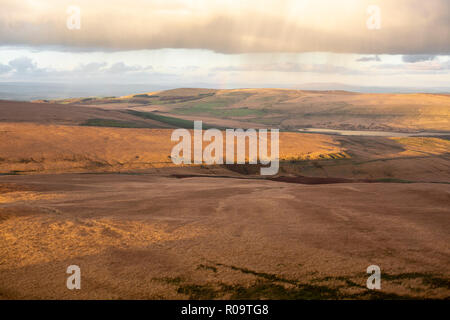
x=226, y=43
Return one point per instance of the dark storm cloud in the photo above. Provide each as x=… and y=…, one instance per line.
x=417, y=58
x=369, y=58
x=408, y=27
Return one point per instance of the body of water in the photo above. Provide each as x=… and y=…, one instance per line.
x=372, y=133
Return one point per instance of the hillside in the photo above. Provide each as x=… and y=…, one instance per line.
x=91, y=182
x=289, y=109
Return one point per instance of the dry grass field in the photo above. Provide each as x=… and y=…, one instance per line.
x=37, y=148
x=93, y=185
x=154, y=236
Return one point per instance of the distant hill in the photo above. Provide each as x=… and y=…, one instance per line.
x=288, y=109
x=66, y=114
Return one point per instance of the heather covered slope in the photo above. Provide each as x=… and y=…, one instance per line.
x=27, y=148
x=33, y=148
x=150, y=236
x=292, y=109
x=63, y=114
x=77, y=186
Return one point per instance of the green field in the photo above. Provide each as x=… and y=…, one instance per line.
x=176, y=122
x=114, y=123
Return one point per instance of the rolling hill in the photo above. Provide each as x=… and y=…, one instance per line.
x=289, y=109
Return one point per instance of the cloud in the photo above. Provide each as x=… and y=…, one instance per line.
x=103, y=68
x=408, y=26
x=25, y=68
x=417, y=58
x=4, y=68
x=430, y=66
x=121, y=67
x=446, y=65
x=369, y=58
x=22, y=65
x=92, y=67
x=289, y=67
